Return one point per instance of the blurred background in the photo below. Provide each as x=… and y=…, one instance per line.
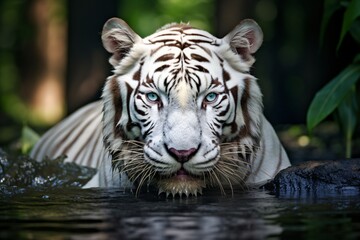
x=52, y=61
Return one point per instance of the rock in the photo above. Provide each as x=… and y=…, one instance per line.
x=19, y=172
x=318, y=177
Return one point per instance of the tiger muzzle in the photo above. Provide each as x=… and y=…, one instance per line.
x=182, y=156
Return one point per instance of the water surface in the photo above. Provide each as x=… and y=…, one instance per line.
x=73, y=213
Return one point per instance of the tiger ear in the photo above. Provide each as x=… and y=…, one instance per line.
x=245, y=39
x=118, y=38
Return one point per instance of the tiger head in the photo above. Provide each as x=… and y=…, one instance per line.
x=181, y=110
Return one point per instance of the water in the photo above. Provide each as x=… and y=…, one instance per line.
x=73, y=213
x=44, y=201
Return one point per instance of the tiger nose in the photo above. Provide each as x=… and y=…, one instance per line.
x=182, y=156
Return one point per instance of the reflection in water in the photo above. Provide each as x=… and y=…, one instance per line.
x=71, y=213
x=196, y=227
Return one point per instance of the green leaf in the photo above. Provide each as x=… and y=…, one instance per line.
x=28, y=139
x=347, y=115
x=352, y=12
x=330, y=96
x=355, y=30
x=357, y=59
x=330, y=7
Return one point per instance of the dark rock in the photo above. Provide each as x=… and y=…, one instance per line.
x=20, y=172
x=318, y=177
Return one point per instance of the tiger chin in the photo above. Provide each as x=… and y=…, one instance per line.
x=181, y=112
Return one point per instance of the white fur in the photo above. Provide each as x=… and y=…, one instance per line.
x=182, y=123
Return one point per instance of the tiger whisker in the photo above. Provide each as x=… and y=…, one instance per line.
x=213, y=173
x=147, y=173
x=135, y=168
x=225, y=175
x=235, y=152
x=237, y=145
x=128, y=159
x=135, y=163
x=135, y=176
x=134, y=143
x=228, y=172
x=133, y=159
x=231, y=157
x=236, y=166
x=131, y=165
x=140, y=152
x=234, y=162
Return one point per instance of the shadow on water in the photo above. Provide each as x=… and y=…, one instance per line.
x=72, y=213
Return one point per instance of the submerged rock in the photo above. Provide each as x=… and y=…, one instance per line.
x=318, y=177
x=19, y=172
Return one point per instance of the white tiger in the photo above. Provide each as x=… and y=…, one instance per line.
x=181, y=112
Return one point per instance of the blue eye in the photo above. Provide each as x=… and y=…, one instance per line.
x=152, y=97
x=211, y=97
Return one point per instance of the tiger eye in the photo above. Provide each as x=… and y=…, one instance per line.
x=211, y=97
x=152, y=97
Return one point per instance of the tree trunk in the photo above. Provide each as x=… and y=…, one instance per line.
x=42, y=63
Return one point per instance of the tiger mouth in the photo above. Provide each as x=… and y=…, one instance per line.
x=181, y=183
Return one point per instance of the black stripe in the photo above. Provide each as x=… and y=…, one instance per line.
x=149, y=131
x=223, y=113
x=165, y=57
x=129, y=91
x=140, y=112
x=154, y=160
x=198, y=165
x=226, y=75
x=117, y=105
x=161, y=68
x=137, y=74
x=199, y=58
x=201, y=69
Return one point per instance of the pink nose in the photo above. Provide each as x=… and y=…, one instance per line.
x=182, y=155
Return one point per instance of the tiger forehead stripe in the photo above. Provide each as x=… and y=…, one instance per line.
x=216, y=82
x=165, y=57
x=183, y=37
x=199, y=58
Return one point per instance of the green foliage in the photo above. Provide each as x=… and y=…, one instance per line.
x=347, y=118
x=28, y=139
x=330, y=7
x=10, y=102
x=332, y=95
x=352, y=12
x=340, y=96
x=144, y=21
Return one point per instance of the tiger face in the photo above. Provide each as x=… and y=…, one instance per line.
x=181, y=110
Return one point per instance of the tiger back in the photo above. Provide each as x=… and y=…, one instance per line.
x=181, y=112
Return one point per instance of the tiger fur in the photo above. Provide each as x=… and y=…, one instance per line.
x=181, y=112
